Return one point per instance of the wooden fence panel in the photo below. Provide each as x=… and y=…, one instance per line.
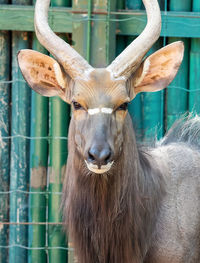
x=99, y=32
x=4, y=143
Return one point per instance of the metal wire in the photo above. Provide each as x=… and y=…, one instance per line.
x=32, y=223
x=11, y=81
x=84, y=18
x=37, y=248
x=29, y=192
x=32, y=138
x=89, y=30
x=47, y=248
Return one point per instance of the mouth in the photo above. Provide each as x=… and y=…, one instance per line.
x=103, y=169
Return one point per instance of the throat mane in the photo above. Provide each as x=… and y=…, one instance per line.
x=111, y=218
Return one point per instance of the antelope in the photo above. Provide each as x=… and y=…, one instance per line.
x=122, y=203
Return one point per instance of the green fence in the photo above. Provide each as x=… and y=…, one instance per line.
x=33, y=129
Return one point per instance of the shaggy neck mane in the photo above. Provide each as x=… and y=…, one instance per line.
x=110, y=218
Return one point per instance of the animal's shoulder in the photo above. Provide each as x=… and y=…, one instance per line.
x=176, y=237
x=177, y=160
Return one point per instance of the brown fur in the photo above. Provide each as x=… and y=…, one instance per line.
x=110, y=217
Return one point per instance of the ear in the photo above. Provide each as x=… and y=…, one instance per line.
x=43, y=74
x=158, y=70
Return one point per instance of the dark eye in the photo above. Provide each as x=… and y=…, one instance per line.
x=123, y=106
x=77, y=106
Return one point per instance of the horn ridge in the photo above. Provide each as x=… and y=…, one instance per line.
x=128, y=61
x=73, y=63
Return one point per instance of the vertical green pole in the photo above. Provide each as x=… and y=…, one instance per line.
x=38, y=172
x=19, y=169
x=153, y=110
x=59, y=121
x=133, y=4
x=4, y=144
x=176, y=103
x=135, y=107
x=153, y=123
x=194, y=95
x=103, y=48
x=120, y=40
x=120, y=4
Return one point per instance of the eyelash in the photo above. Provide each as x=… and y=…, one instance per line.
x=123, y=106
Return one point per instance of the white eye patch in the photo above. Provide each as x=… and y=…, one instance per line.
x=100, y=110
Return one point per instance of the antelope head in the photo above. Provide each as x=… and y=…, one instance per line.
x=99, y=96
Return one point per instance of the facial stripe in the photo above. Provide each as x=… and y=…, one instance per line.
x=106, y=110
x=93, y=111
x=100, y=110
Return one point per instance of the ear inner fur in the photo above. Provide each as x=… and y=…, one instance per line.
x=159, y=69
x=42, y=73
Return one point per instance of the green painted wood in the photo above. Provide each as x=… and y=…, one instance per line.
x=80, y=29
x=174, y=24
x=38, y=172
x=134, y=4
x=21, y=18
x=153, y=109
x=176, y=99
x=195, y=6
x=89, y=29
x=135, y=107
x=194, y=84
x=19, y=165
x=19, y=169
x=59, y=121
x=58, y=154
x=99, y=28
x=153, y=105
x=4, y=144
x=120, y=4
x=103, y=49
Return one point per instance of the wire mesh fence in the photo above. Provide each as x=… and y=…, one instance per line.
x=33, y=138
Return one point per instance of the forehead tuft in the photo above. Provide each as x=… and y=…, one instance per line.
x=100, y=74
x=100, y=88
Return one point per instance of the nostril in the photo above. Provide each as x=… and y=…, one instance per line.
x=91, y=157
x=105, y=155
x=99, y=156
x=107, y=159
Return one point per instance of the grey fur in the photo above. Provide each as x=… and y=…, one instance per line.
x=147, y=210
x=176, y=237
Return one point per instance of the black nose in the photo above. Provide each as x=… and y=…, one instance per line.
x=99, y=156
